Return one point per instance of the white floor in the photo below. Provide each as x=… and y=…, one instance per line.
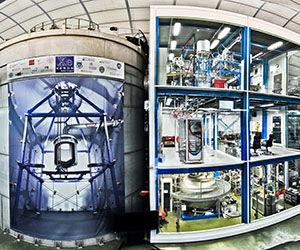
x=212, y=158
x=277, y=152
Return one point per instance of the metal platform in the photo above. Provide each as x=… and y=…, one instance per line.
x=210, y=158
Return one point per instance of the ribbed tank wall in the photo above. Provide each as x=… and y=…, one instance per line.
x=133, y=138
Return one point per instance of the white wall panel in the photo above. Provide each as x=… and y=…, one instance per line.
x=140, y=3
x=68, y=11
x=246, y=3
x=16, y=6
x=140, y=14
x=293, y=26
x=97, y=5
x=271, y=18
x=279, y=10
x=110, y=16
x=21, y=16
x=6, y=24
x=237, y=8
x=55, y=4
x=205, y=3
x=296, y=19
x=38, y=20
x=13, y=31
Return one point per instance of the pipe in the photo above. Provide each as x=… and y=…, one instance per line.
x=113, y=123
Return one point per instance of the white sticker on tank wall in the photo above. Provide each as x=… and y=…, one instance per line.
x=31, y=66
x=81, y=65
x=99, y=66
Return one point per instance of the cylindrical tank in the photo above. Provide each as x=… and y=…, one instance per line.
x=201, y=190
x=88, y=43
x=203, y=47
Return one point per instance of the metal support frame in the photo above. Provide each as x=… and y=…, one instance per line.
x=25, y=164
x=222, y=71
x=245, y=164
x=215, y=131
x=205, y=71
x=264, y=124
x=245, y=125
x=265, y=73
x=228, y=127
x=201, y=217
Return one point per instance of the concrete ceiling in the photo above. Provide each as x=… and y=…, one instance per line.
x=19, y=16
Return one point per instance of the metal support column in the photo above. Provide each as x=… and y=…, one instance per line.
x=17, y=196
x=40, y=198
x=264, y=124
x=245, y=129
x=216, y=141
x=286, y=174
x=111, y=161
x=265, y=73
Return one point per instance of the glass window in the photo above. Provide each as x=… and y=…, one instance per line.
x=199, y=200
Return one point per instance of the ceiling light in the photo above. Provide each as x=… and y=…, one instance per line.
x=267, y=105
x=173, y=45
x=168, y=102
x=257, y=55
x=214, y=44
x=275, y=45
x=176, y=29
x=171, y=56
x=223, y=33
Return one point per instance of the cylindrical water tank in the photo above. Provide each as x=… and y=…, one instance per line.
x=203, y=46
x=88, y=43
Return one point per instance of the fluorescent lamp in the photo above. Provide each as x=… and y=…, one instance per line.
x=173, y=45
x=176, y=29
x=275, y=45
x=171, y=56
x=214, y=44
x=168, y=102
x=267, y=105
x=257, y=55
x=223, y=33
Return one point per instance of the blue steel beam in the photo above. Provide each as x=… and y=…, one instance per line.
x=264, y=124
x=94, y=137
x=228, y=126
x=82, y=135
x=274, y=98
x=274, y=161
x=245, y=136
x=230, y=166
x=228, y=39
x=36, y=136
x=90, y=103
x=40, y=103
x=266, y=73
x=66, y=115
x=214, y=134
x=157, y=52
x=265, y=47
x=200, y=92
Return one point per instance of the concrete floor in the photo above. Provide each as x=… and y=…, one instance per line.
x=285, y=235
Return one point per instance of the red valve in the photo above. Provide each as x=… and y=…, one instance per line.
x=144, y=192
